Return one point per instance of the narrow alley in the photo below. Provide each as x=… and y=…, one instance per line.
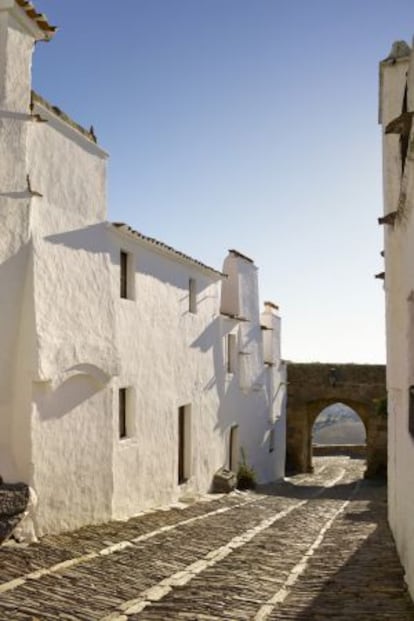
x=313, y=547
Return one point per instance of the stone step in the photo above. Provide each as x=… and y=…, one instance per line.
x=14, y=498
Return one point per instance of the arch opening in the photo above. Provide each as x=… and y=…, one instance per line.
x=338, y=429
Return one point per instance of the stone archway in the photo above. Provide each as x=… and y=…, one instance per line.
x=314, y=386
x=337, y=428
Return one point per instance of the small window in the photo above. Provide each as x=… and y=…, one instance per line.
x=184, y=443
x=127, y=275
x=124, y=274
x=411, y=411
x=231, y=352
x=122, y=413
x=234, y=448
x=192, y=295
x=272, y=440
x=126, y=408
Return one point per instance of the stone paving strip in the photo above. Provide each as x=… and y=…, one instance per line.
x=355, y=573
x=55, y=552
x=345, y=555
x=183, y=577
x=18, y=560
x=116, y=547
x=242, y=582
x=280, y=596
x=92, y=588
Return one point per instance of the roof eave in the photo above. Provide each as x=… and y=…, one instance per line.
x=49, y=112
x=164, y=249
x=36, y=22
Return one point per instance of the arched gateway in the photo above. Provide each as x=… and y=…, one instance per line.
x=314, y=386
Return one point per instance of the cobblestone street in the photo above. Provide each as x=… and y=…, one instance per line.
x=314, y=547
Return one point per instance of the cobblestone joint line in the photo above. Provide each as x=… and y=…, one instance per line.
x=183, y=577
x=116, y=547
x=279, y=597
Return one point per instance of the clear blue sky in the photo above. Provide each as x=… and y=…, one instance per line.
x=247, y=124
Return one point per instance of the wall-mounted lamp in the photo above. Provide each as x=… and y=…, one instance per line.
x=333, y=376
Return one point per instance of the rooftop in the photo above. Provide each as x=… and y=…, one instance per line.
x=88, y=133
x=121, y=226
x=39, y=18
x=236, y=253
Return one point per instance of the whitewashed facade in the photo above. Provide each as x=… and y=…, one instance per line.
x=396, y=112
x=129, y=372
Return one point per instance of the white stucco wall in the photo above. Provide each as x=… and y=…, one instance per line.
x=70, y=342
x=251, y=390
x=399, y=285
x=76, y=354
x=16, y=46
x=58, y=347
x=170, y=357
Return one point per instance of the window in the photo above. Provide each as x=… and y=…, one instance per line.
x=411, y=411
x=126, y=409
x=272, y=440
x=192, y=295
x=234, y=448
x=122, y=409
x=184, y=443
x=231, y=352
x=126, y=275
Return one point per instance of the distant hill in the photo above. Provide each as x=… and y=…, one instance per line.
x=338, y=424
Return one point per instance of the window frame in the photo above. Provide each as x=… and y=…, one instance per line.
x=231, y=353
x=184, y=444
x=126, y=275
x=122, y=413
x=192, y=296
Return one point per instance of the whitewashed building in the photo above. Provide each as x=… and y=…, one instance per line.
x=395, y=116
x=129, y=372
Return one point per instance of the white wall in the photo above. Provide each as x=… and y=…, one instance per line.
x=15, y=248
x=74, y=324
x=399, y=285
x=69, y=341
x=170, y=357
x=254, y=393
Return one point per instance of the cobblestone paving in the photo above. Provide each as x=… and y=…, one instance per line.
x=314, y=547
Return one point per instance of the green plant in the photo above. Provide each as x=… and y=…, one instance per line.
x=382, y=409
x=246, y=476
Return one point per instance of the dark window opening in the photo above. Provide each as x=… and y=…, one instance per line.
x=122, y=413
x=272, y=440
x=411, y=412
x=124, y=274
x=231, y=344
x=234, y=448
x=405, y=136
x=184, y=443
x=192, y=295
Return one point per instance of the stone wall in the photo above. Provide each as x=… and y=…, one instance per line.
x=14, y=498
x=314, y=386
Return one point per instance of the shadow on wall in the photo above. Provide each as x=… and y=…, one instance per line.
x=13, y=272
x=231, y=399
x=93, y=238
x=55, y=403
x=98, y=238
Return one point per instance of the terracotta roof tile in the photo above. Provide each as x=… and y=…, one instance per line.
x=271, y=304
x=155, y=242
x=88, y=133
x=238, y=254
x=39, y=18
